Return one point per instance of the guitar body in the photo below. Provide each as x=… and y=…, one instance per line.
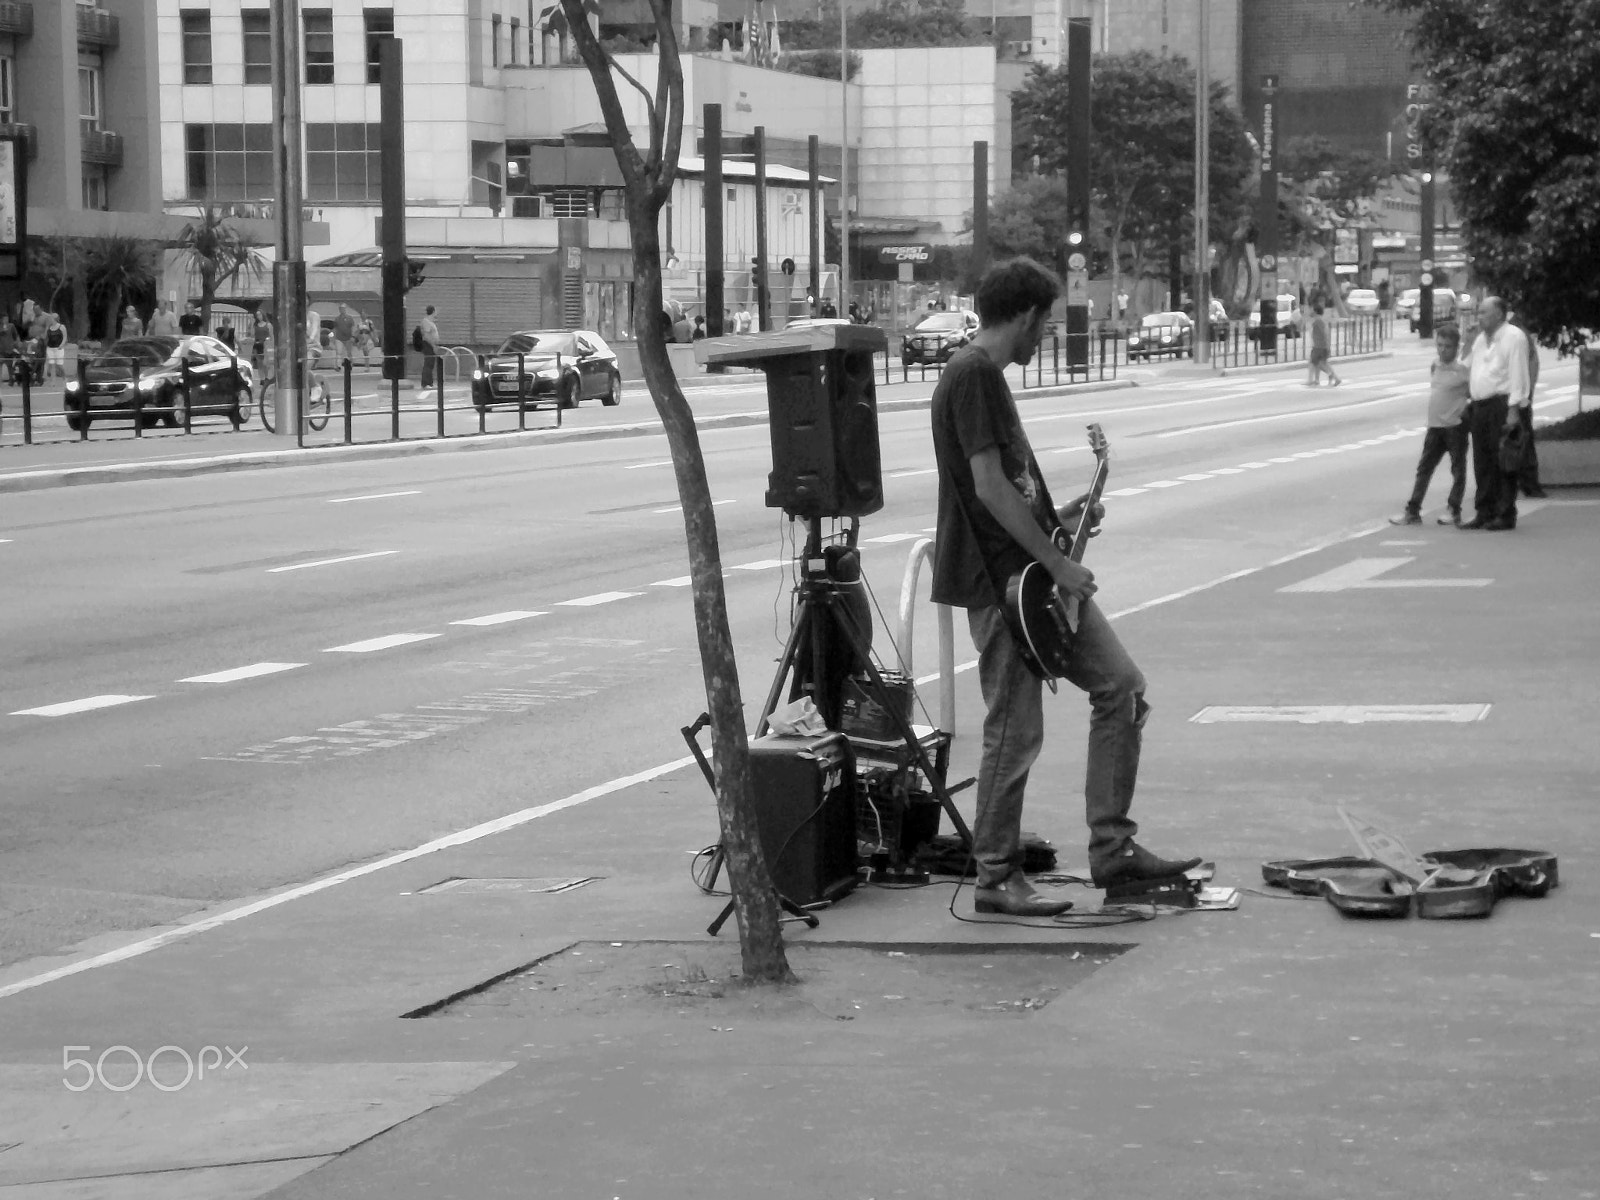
x=1044, y=623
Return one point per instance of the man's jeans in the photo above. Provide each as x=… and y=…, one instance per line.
x=1436, y=443
x=1013, y=733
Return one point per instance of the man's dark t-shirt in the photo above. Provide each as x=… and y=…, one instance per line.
x=189, y=324
x=972, y=410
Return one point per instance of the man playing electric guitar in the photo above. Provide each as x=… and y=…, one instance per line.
x=993, y=518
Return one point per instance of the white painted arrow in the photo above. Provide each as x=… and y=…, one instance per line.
x=1363, y=573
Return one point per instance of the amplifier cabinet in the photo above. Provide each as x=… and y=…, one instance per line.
x=804, y=793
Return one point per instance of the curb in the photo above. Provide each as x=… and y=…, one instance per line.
x=32, y=481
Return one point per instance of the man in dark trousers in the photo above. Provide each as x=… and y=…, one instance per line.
x=1500, y=390
x=993, y=520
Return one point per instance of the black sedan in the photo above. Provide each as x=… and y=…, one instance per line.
x=937, y=336
x=563, y=366
x=1162, y=333
x=157, y=378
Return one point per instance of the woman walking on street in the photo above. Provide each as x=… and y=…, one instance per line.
x=1320, y=350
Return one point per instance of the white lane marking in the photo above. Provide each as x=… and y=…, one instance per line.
x=764, y=564
x=1195, y=478
x=1363, y=573
x=680, y=581
x=1277, y=460
x=909, y=474
x=1287, y=416
x=1227, y=471
x=889, y=539
x=597, y=598
x=5, y=541
x=1160, y=483
x=500, y=618
x=253, y=671
x=1127, y=491
x=328, y=562
x=1351, y=446
x=664, y=462
x=87, y=704
x=1070, y=450
x=375, y=496
x=1254, y=466
x=449, y=841
x=1400, y=542
x=380, y=643
x=1339, y=714
x=679, y=508
x=1306, y=454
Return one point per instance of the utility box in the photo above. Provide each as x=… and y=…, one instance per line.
x=822, y=411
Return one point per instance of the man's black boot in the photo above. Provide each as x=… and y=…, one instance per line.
x=1135, y=863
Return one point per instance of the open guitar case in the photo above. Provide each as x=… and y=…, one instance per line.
x=1468, y=883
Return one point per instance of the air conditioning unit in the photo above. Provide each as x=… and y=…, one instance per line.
x=1020, y=49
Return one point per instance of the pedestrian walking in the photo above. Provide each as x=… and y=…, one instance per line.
x=260, y=335
x=132, y=326
x=55, y=347
x=366, y=340
x=344, y=335
x=427, y=335
x=1498, y=364
x=699, y=329
x=741, y=320
x=1321, y=351
x=1449, y=393
x=162, y=323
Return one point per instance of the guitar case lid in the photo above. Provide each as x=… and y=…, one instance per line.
x=1468, y=884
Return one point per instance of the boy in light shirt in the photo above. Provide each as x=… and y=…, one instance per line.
x=1448, y=397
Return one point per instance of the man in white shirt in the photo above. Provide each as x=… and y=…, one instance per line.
x=1500, y=390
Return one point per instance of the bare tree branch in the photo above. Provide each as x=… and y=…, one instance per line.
x=670, y=67
x=649, y=100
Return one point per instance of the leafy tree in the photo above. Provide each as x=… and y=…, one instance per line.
x=648, y=177
x=1032, y=218
x=1332, y=184
x=887, y=25
x=1514, y=121
x=218, y=253
x=117, y=267
x=1141, y=158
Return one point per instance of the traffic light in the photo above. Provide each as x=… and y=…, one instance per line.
x=415, y=273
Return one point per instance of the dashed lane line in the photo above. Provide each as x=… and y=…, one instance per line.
x=375, y=496
x=597, y=599
x=678, y=508
x=68, y=707
x=328, y=562
x=371, y=645
x=501, y=618
x=253, y=671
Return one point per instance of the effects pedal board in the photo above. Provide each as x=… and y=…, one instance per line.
x=1169, y=891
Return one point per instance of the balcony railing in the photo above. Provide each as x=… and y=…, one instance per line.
x=97, y=27
x=102, y=147
x=16, y=18
x=28, y=134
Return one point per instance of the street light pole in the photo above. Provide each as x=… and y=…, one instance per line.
x=844, y=165
x=289, y=271
x=1202, y=191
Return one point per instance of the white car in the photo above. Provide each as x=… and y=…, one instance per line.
x=1289, y=318
x=1406, y=305
x=1362, y=300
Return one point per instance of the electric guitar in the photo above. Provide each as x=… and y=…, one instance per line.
x=1042, y=622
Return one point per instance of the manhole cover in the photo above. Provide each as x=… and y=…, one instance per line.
x=467, y=886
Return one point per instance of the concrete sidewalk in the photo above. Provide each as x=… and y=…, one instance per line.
x=1274, y=1051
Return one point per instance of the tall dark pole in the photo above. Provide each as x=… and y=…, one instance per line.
x=1080, y=46
x=814, y=215
x=1202, y=190
x=763, y=296
x=1267, y=216
x=980, y=209
x=712, y=120
x=289, y=271
x=392, y=195
x=1426, y=280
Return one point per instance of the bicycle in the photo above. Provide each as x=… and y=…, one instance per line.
x=317, y=408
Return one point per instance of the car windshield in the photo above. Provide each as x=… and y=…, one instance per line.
x=1158, y=320
x=941, y=322
x=148, y=352
x=540, y=343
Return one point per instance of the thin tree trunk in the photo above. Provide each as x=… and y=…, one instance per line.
x=754, y=897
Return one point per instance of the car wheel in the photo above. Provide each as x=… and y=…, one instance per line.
x=174, y=414
x=613, y=396
x=77, y=419
x=567, y=397
x=242, y=407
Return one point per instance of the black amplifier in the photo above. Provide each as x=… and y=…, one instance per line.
x=804, y=793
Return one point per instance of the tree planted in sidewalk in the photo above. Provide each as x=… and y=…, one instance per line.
x=648, y=178
x=217, y=252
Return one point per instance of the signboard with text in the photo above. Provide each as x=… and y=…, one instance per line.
x=13, y=210
x=916, y=252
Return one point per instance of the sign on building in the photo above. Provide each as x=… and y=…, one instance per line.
x=917, y=252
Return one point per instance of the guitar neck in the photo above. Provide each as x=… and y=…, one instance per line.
x=1080, y=537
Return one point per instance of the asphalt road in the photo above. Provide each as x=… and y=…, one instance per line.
x=221, y=685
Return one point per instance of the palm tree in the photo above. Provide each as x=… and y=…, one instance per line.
x=115, y=267
x=218, y=253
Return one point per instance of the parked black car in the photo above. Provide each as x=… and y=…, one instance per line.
x=562, y=366
x=218, y=381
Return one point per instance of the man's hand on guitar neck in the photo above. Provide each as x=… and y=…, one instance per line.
x=1073, y=578
x=1071, y=512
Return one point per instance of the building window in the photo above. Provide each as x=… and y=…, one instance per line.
x=8, y=111
x=319, y=45
x=257, y=45
x=613, y=205
x=494, y=40
x=344, y=163
x=196, y=44
x=516, y=33
x=379, y=25
x=90, y=92
x=95, y=192
x=568, y=202
x=228, y=162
